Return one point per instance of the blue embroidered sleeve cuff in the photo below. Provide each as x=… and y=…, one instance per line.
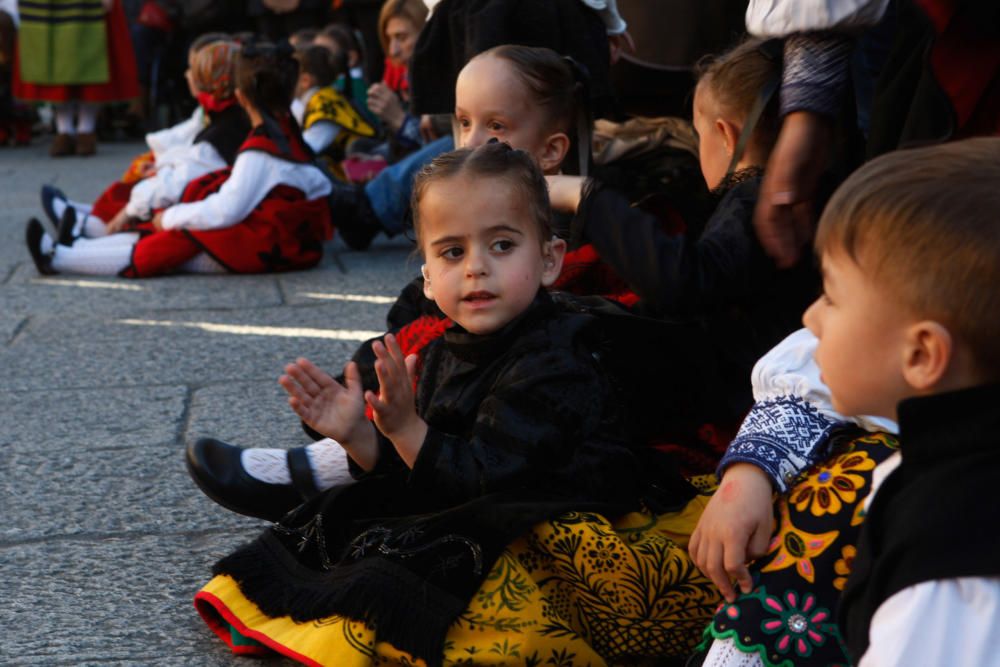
x=815, y=72
x=783, y=436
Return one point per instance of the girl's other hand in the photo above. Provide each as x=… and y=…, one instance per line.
x=734, y=529
x=157, y=221
x=120, y=222
x=395, y=404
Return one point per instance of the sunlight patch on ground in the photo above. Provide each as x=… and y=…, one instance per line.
x=364, y=298
x=253, y=330
x=93, y=284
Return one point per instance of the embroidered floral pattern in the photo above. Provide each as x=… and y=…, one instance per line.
x=844, y=565
x=796, y=547
x=825, y=490
x=799, y=625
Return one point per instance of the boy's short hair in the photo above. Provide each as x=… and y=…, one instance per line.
x=320, y=63
x=925, y=223
x=492, y=160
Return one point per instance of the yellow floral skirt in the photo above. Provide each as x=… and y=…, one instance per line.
x=576, y=590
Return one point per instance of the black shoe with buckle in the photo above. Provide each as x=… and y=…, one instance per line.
x=217, y=468
x=48, y=195
x=33, y=238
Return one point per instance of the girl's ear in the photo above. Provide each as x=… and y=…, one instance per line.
x=927, y=355
x=428, y=291
x=729, y=133
x=553, y=253
x=553, y=152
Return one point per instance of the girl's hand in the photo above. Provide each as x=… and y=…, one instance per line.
x=734, y=529
x=157, y=221
x=120, y=222
x=384, y=103
x=565, y=192
x=395, y=405
x=335, y=410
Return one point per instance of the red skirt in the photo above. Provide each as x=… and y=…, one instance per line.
x=284, y=233
x=122, y=84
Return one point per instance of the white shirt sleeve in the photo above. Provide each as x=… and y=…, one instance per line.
x=254, y=175
x=943, y=622
x=167, y=185
x=320, y=135
x=780, y=18
x=181, y=134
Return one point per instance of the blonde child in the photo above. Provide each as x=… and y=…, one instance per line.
x=507, y=420
x=268, y=214
x=906, y=330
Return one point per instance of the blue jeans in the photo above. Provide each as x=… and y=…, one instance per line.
x=389, y=192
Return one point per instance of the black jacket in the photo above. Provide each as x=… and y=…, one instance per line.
x=522, y=428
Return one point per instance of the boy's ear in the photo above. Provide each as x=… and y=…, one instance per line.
x=927, y=355
x=554, y=152
x=553, y=253
x=428, y=291
x=730, y=134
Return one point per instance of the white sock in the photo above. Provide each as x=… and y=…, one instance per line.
x=89, y=226
x=64, y=118
x=96, y=257
x=46, y=244
x=327, y=459
x=86, y=120
x=202, y=263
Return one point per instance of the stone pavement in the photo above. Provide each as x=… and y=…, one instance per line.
x=104, y=539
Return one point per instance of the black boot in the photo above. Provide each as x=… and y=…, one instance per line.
x=33, y=237
x=353, y=216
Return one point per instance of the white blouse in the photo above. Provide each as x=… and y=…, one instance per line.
x=780, y=18
x=178, y=167
x=182, y=134
x=255, y=174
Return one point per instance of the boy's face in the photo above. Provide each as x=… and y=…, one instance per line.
x=490, y=101
x=483, y=260
x=861, y=329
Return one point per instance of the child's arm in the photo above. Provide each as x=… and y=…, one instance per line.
x=166, y=186
x=673, y=274
x=787, y=431
x=332, y=409
x=320, y=135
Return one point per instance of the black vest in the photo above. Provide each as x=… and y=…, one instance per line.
x=936, y=516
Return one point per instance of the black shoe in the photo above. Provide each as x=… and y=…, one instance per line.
x=217, y=469
x=49, y=194
x=353, y=216
x=33, y=237
x=66, y=225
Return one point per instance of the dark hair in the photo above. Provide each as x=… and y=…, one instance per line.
x=320, y=63
x=305, y=35
x=207, y=38
x=266, y=74
x=737, y=78
x=923, y=224
x=343, y=36
x=550, y=79
x=490, y=161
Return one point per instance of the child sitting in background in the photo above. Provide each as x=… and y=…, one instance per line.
x=512, y=421
x=328, y=120
x=907, y=330
x=340, y=39
x=268, y=214
x=121, y=207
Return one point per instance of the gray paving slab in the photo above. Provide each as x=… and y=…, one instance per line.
x=104, y=381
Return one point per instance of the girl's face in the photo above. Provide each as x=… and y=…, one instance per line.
x=401, y=38
x=483, y=259
x=490, y=101
x=714, y=147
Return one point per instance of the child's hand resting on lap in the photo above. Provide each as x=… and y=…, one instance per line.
x=394, y=405
x=735, y=528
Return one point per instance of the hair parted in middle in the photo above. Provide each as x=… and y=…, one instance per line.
x=266, y=75
x=214, y=69
x=492, y=160
x=414, y=11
